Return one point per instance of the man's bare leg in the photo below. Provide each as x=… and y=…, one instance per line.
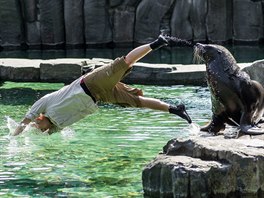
x=151, y=103
x=156, y=104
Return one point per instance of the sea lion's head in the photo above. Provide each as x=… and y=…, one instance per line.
x=209, y=52
x=216, y=54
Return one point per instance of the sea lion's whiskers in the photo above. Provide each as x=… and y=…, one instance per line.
x=197, y=58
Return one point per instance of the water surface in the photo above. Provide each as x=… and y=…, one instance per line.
x=175, y=55
x=102, y=155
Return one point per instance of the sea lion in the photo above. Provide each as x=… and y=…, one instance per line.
x=236, y=99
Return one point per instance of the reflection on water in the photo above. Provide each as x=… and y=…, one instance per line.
x=175, y=55
x=102, y=155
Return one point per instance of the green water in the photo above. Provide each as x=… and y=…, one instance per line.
x=102, y=155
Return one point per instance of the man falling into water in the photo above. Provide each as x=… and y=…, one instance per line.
x=79, y=99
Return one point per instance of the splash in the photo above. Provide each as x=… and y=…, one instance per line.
x=67, y=133
x=12, y=125
x=194, y=129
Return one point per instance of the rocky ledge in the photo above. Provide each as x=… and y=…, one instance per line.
x=67, y=70
x=207, y=166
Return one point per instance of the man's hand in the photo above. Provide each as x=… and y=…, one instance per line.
x=21, y=126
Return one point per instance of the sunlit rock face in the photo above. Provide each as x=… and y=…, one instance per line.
x=256, y=71
x=211, y=166
x=80, y=23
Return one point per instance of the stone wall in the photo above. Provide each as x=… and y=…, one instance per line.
x=78, y=23
x=67, y=70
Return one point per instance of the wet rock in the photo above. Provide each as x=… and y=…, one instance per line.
x=207, y=166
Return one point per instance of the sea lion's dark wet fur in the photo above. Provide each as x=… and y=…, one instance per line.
x=236, y=99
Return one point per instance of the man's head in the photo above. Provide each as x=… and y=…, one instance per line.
x=43, y=123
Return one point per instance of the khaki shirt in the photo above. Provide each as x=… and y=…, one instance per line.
x=65, y=106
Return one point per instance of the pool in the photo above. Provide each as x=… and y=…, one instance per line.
x=102, y=155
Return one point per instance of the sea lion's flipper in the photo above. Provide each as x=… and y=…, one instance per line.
x=251, y=130
x=216, y=125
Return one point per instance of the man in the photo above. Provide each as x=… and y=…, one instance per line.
x=79, y=99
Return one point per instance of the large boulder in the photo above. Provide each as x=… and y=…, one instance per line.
x=256, y=71
x=207, y=166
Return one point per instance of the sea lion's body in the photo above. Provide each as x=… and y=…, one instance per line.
x=236, y=99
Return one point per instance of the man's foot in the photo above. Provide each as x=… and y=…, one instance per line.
x=181, y=112
x=161, y=41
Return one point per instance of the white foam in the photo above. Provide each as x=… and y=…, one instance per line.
x=194, y=129
x=67, y=133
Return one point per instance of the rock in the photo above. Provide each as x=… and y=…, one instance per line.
x=74, y=28
x=256, y=71
x=96, y=22
x=198, y=20
x=33, y=37
x=149, y=14
x=11, y=33
x=123, y=18
x=29, y=8
x=83, y=23
x=51, y=22
x=32, y=26
x=66, y=72
x=180, y=24
x=142, y=73
x=248, y=25
x=24, y=70
x=218, y=23
x=207, y=166
x=162, y=74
